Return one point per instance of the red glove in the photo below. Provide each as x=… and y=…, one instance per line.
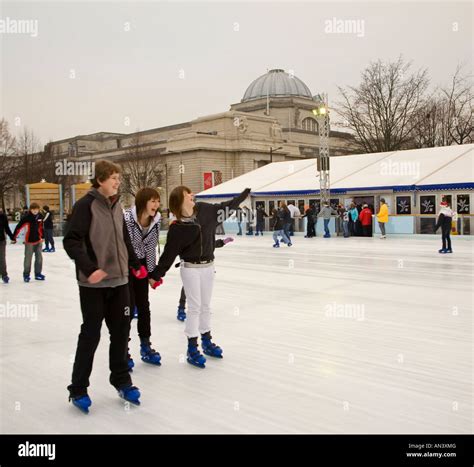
x=141, y=273
x=157, y=284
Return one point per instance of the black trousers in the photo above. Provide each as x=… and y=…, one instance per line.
x=367, y=230
x=310, y=232
x=182, y=298
x=446, y=236
x=139, y=297
x=113, y=305
x=48, y=238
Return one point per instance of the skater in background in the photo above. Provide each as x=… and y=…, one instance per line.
x=192, y=238
x=143, y=225
x=4, y=232
x=285, y=214
x=182, y=298
x=97, y=240
x=382, y=217
x=445, y=218
x=261, y=214
x=344, y=220
x=277, y=224
x=294, y=213
x=353, y=217
x=365, y=218
x=48, y=230
x=326, y=213
x=310, y=215
x=248, y=221
x=33, y=223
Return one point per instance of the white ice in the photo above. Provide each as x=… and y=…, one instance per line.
x=328, y=336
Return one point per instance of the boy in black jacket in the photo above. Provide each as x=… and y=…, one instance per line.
x=32, y=221
x=4, y=230
x=97, y=240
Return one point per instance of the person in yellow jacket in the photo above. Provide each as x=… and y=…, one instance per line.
x=382, y=217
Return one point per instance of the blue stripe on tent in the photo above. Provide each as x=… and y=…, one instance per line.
x=395, y=188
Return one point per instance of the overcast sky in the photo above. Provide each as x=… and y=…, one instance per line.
x=129, y=58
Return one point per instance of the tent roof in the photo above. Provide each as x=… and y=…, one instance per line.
x=429, y=168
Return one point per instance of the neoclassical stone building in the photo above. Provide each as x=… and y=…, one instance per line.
x=272, y=122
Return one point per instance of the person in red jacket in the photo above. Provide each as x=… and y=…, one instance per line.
x=32, y=223
x=365, y=218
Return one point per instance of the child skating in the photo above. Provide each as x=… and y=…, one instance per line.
x=445, y=218
x=32, y=222
x=192, y=237
x=98, y=242
x=143, y=224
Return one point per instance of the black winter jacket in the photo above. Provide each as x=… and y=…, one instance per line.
x=196, y=240
x=5, y=228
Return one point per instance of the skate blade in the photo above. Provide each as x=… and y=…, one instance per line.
x=197, y=365
x=130, y=401
x=152, y=363
x=214, y=356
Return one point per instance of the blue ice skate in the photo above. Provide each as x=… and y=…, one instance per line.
x=195, y=357
x=130, y=394
x=81, y=402
x=209, y=348
x=148, y=354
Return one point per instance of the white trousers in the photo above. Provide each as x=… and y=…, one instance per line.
x=198, y=284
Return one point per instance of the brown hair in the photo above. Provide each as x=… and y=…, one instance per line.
x=103, y=171
x=143, y=196
x=176, y=200
x=34, y=206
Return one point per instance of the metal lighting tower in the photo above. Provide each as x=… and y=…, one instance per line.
x=322, y=116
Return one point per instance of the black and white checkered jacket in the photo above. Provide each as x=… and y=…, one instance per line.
x=144, y=246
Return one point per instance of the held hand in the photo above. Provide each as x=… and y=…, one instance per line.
x=228, y=240
x=96, y=276
x=140, y=273
x=154, y=284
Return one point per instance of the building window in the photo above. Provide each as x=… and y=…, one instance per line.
x=309, y=124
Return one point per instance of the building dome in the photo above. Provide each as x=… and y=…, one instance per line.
x=276, y=83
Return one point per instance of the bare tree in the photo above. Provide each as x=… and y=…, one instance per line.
x=9, y=162
x=446, y=117
x=140, y=168
x=28, y=149
x=382, y=111
x=460, y=102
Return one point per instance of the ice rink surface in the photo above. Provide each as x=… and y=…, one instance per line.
x=329, y=336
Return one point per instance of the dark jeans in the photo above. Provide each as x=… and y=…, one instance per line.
x=291, y=230
x=345, y=227
x=31, y=249
x=139, y=298
x=48, y=238
x=286, y=229
x=326, y=227
x=182, y=298
x=113, y=305
x=446, y=236
x=367, y=230
x=310, y=231
x=260, y=226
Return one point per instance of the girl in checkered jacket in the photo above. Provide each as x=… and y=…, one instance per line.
x=143, y=224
